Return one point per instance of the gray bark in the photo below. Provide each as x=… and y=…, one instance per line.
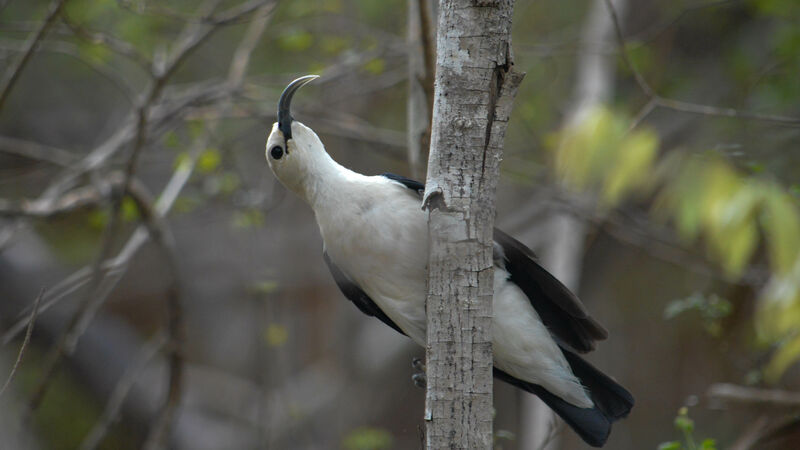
x=564, y=250
x=474, y=91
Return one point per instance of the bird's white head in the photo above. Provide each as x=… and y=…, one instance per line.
x=294, y=152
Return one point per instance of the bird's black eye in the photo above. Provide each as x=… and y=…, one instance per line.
x=276, y=152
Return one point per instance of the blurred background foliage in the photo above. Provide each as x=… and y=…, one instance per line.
x=692, y=256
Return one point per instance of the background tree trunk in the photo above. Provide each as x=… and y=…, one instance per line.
x=475, y=86
x=421, y=61
x=563, y=250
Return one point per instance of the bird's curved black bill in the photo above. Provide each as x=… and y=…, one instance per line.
x=285, y=102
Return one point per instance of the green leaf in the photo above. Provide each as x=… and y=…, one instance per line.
x=248, y=218
x=708, y=444
x=276, y=335
x=130, y=211
x=674, y=445
x=208, y=161
x=787, y=355
x=633, y=166
x=375, y=66
x=265, y=287
x=368, y=438
x=782, y=229
x=171, y=140
x=296, y=40
x=683, y=422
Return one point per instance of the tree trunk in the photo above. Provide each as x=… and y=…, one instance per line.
x=563, y=253
x=475, y=86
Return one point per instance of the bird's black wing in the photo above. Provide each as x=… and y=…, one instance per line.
x=356, y=295
x=560, y=310
x=407, y=182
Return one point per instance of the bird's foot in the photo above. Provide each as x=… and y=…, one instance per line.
x=419, y=378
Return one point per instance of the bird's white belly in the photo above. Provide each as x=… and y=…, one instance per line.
x=384, y=249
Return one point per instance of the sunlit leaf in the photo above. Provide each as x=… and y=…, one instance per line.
x=334, y=44
x=265, y=287
x=296, y=40
x=276, y=335
x=708, y=444
x=209, y=160
x=782, y=228
x=735, y=245
x=787, y=354
x=375, y=66
x=368, y=438
x=633, y=167
x=248, y=218
x=683, y=422
x=130, y=211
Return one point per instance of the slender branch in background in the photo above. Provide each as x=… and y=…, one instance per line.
x=112, y=43
x=36, y=151
x=750, y=396
x=81, y=197
x=565, y=241
x=421, y=67
x=236, y=73
x=14, y=71
x=656, y=100
x=119, y=80
x=193, y=36
x=116, y=400
x=754, y=431
x=25, y=342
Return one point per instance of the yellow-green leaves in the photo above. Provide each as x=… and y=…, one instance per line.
x=276, y=335
x=685, y=425
x=367, y=438
x=296, y=40
x=707, y=200
x=208, y=161
x=785, y=356
x=781, y=224
x=600, y=152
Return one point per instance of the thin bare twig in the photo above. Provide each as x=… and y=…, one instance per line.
x=731, y=393
x=237, y=70
x=14, y=71
x=34, y=150
x=114, y=405
x=678, y=105
x=119, y=80
x=113, y=43
x=25, y=342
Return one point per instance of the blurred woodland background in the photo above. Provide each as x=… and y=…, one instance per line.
x=179, y=294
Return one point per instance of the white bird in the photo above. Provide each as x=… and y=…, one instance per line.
x=376, y=245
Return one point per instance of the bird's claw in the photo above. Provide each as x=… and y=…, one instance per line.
x=419, y=379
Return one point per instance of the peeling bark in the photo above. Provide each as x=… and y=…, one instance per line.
x=474, y=91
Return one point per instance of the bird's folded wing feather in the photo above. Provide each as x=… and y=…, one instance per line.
x=354, y=293
x=560, y=310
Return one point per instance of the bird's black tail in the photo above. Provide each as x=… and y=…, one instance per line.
x=593, y=425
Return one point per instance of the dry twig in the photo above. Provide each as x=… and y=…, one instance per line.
x=14, y=71
x=25, y=342
x=655, y=100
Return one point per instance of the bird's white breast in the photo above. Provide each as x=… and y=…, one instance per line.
x=376, y=232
